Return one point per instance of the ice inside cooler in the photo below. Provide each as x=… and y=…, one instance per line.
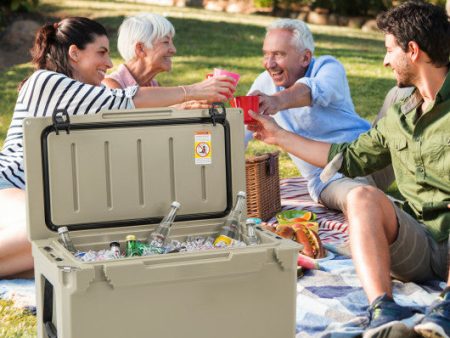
x=87, y=250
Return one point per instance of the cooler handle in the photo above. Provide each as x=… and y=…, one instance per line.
x=47, y=317
x=166, y=269
x=50, y=330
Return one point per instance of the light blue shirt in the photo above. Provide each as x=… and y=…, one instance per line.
x=331, y=118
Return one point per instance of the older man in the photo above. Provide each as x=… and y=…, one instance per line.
x=310, y=97
x=411, y=243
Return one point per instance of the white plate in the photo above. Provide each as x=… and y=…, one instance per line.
x=329, y=256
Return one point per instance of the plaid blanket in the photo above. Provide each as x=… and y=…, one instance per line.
x=331, y=301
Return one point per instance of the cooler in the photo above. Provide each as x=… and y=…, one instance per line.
x=115, y=173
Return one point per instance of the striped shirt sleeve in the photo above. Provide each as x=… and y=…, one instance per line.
x=41, y=95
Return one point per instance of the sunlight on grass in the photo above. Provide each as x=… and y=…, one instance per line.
x=16, y=322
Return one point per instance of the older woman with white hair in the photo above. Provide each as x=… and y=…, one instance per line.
x=145, y=42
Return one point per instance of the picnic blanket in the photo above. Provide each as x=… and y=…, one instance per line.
x=21, y=291
x=330, y=301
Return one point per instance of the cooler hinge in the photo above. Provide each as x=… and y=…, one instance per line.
x=61, y=121
x=217, y=116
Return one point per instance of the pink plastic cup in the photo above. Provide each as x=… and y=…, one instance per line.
x=235, y=76
x=246, y=103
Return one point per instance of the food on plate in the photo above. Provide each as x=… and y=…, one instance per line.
x=312, y=245
x=308, y=218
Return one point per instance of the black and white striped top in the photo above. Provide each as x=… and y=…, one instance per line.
x=40, y=95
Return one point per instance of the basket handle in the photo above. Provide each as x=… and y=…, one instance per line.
x=270, y=164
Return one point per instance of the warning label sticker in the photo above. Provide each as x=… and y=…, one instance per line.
x=202, y=147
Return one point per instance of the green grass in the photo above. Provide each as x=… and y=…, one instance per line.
x=16, y=322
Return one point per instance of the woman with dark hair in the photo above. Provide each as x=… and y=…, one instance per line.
x=70, y=60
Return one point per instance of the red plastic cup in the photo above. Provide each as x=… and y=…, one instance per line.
x=246, y=103
x=235, y=76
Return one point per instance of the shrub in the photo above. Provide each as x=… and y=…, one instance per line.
x=342, y=7
x=19, y=5
x=8, y=7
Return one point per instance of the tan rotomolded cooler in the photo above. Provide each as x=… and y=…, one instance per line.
x=112, y=174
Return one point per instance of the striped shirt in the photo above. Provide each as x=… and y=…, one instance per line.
x=40, y=95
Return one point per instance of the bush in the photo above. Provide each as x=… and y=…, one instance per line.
x=358, y=7
x=342, y=7
x=19, y=5
x=8, y=7
x=263, y=3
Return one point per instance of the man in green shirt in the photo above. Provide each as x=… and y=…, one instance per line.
x=410, y=244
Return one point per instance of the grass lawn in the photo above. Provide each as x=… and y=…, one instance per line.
x=205, y=40
x=16, y=322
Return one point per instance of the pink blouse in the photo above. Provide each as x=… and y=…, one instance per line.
x=123, y=76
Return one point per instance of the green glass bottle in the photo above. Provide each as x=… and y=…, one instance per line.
x=132, y=246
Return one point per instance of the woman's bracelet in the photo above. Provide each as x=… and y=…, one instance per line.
x=185, y=93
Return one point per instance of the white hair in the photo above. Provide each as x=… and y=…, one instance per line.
x=145, y=28
x=302, y=36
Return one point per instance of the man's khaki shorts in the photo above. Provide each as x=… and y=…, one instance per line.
x=415, y=255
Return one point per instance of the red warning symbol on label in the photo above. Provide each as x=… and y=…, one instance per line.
x=202, y=149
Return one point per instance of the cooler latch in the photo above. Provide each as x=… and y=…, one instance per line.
x=217, y=116
x=61, y=121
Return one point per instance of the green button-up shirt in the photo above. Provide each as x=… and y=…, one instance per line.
x=418, y=146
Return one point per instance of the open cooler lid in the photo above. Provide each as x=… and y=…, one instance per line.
x=124, y=168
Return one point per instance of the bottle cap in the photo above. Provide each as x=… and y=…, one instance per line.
x=254, y=220
x=176, y=204
x=62, y=229
x=131, y=238
x=242, y=193
x=115, y=244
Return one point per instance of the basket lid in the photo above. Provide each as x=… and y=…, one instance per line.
x=124, y=168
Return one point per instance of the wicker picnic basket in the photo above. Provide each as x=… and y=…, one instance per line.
x=263, y=185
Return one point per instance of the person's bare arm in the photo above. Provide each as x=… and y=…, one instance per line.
x=268, y=131
x=298, y=95
x=111, y=83
x=194, y=104
x=214, y=89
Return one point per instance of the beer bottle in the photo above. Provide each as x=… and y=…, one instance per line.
x=230, y=230
x=132, y=246
x=65, y=239
x=159, y=237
